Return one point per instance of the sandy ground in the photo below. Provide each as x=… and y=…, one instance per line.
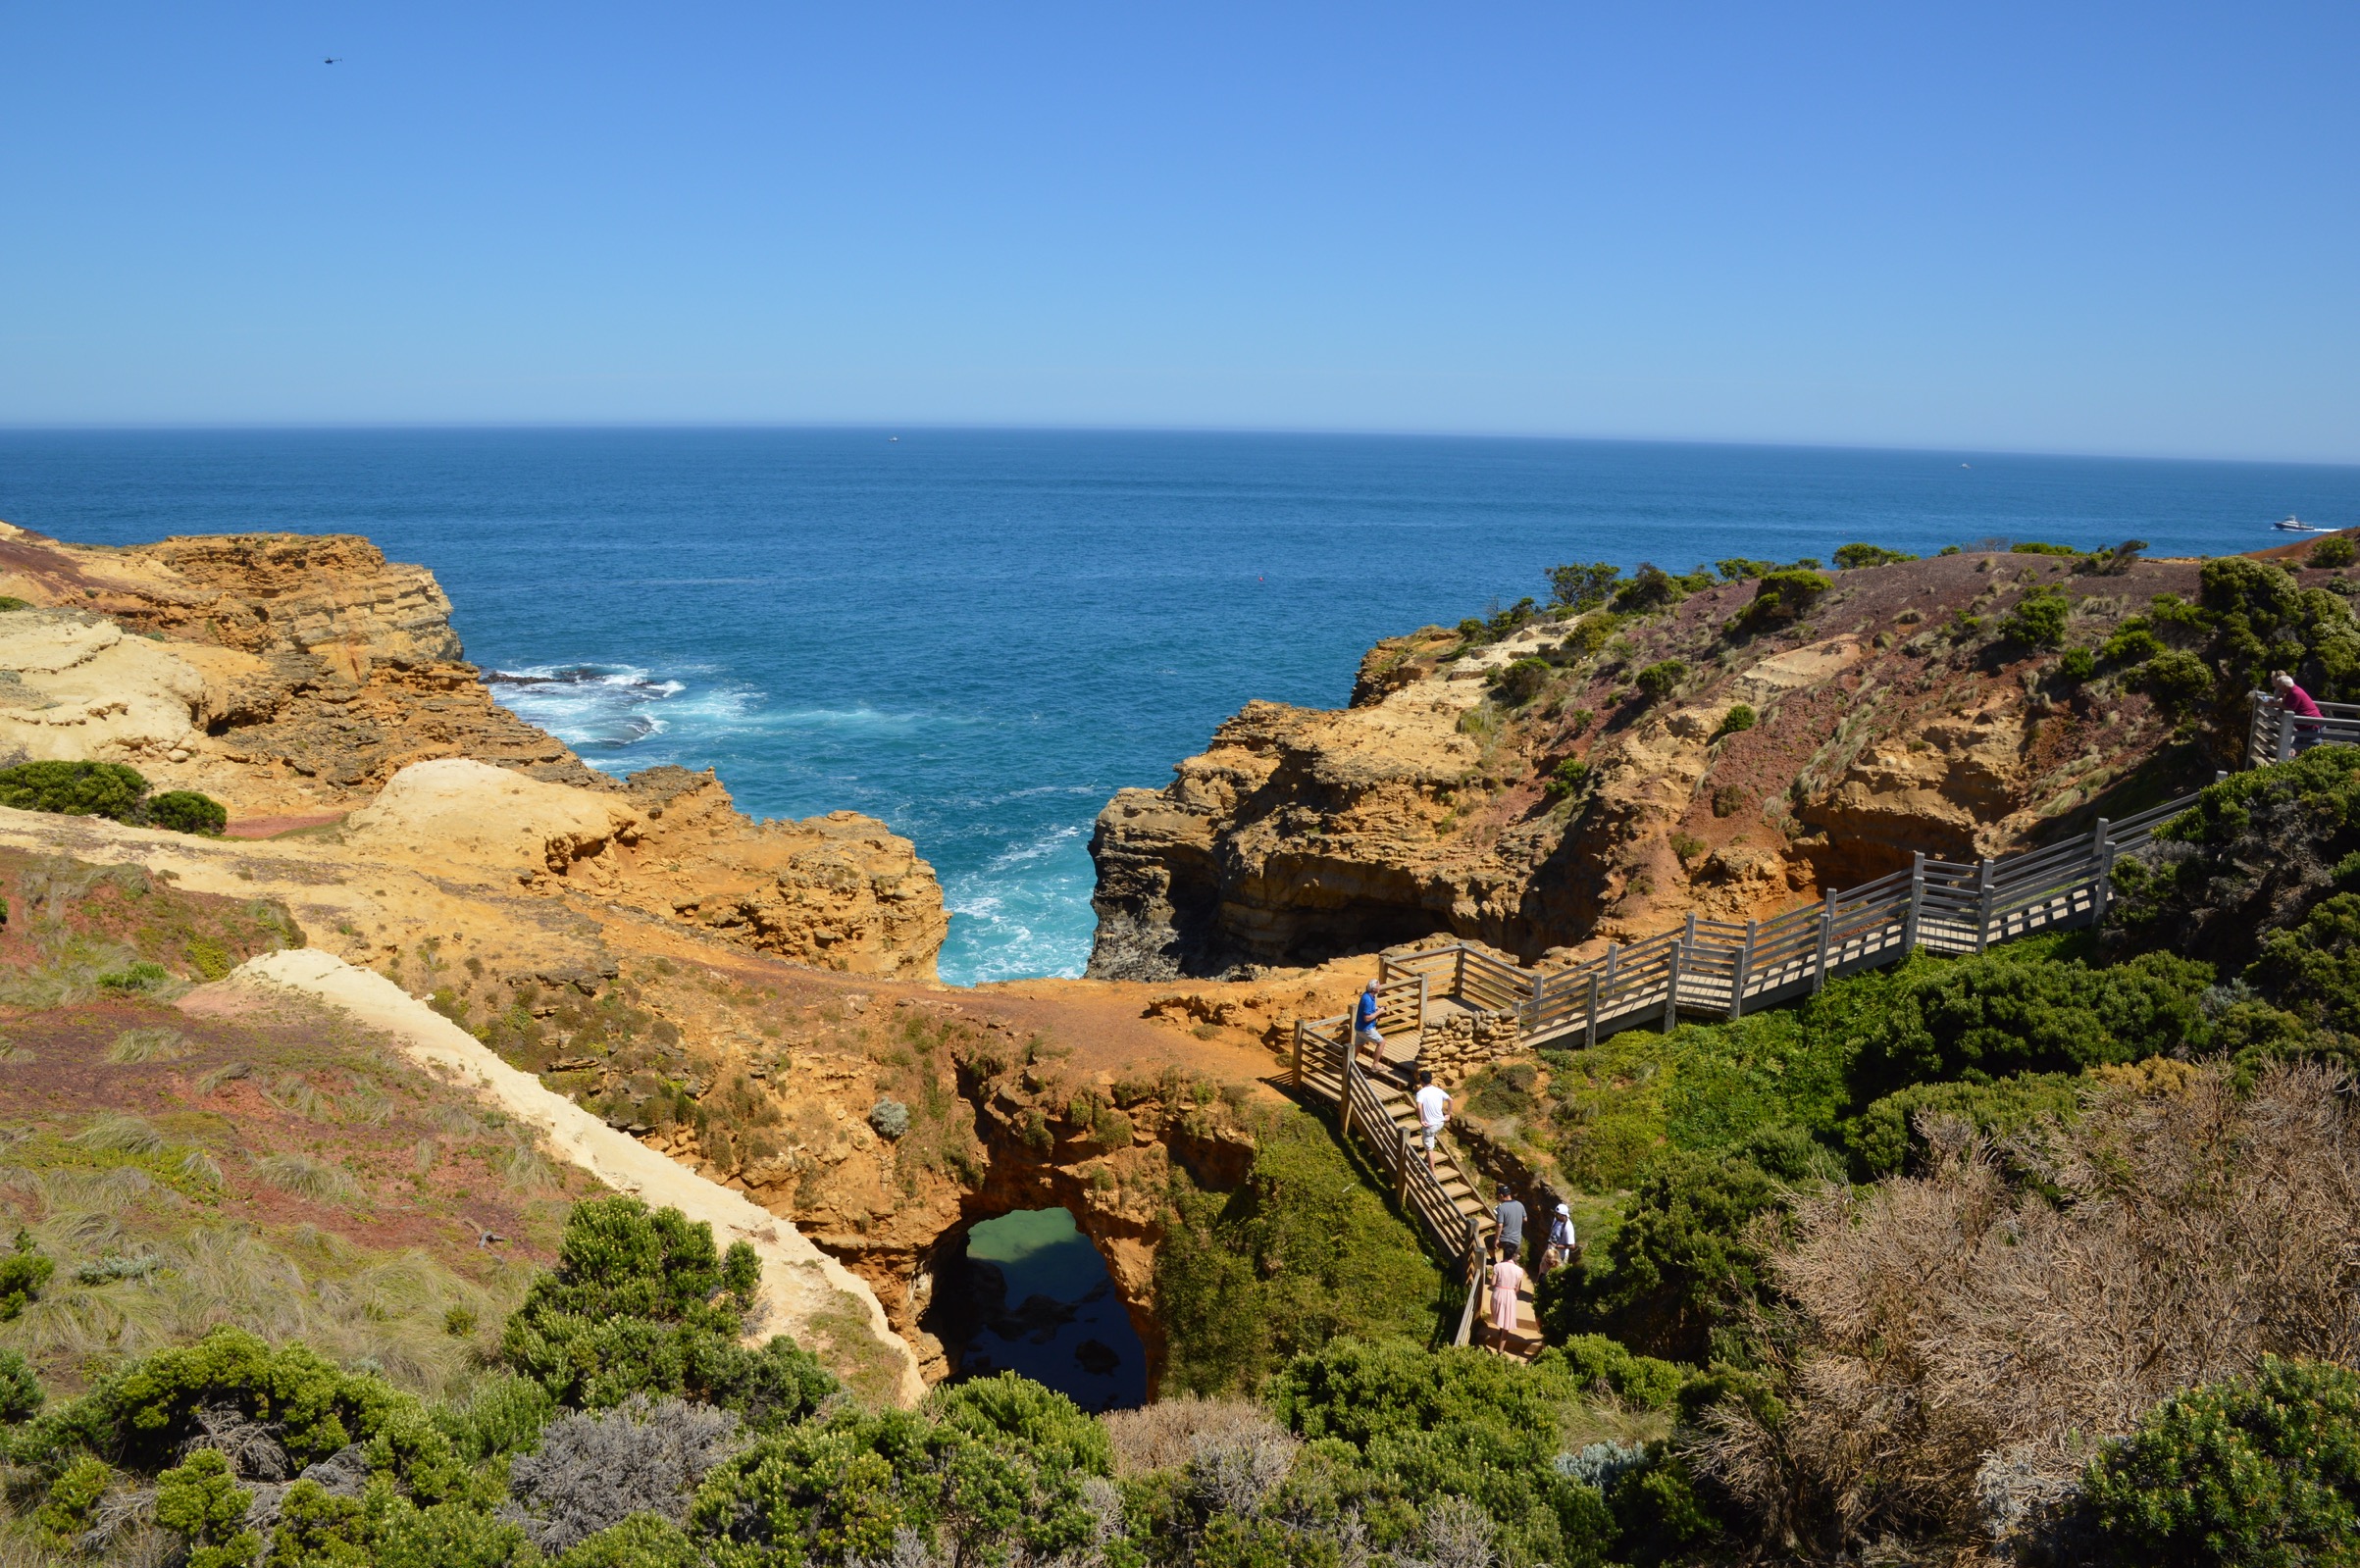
x=799, y=1283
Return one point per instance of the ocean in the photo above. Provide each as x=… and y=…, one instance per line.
x=979, y=635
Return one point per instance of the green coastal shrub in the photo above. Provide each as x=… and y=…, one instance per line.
x=1567, y=778
x=1581, y=587
x=1519, y=682
x=1303, y=1253
x=1639, y=1382
x=1851, y=557
x=23, y=1270
x=73, y=788
x=21, y=1393
x=2039, y=617
x=2078, y=664
x=186, y=811
x=1409, y=1428
x=1651, y=588
x=643, y=1303
x=107, y=790
x=201, y=1502
x=1882, y=1137
x=2011, y=1011
x=1686, y=1255
x=1739, y=718
x=2334, y=552
x=1740, y=569
x=2260, y=1472
x=1660, y=679
x=1780, y=599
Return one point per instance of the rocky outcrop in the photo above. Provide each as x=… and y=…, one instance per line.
x=300, y=680
x=282, y=674
x=1892, y=717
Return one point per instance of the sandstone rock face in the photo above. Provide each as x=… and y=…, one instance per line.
x=297, y=679
x=282, y=674
x=1894, y=718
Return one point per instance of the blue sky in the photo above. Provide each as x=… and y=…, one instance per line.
x=2113, y=229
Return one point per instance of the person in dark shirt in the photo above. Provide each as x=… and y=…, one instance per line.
x=1511, y=1217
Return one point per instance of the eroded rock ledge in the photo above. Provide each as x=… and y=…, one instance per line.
x=1893, y=718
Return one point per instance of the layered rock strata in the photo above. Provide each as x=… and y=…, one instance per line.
x=1894, y=716
x=305, y=680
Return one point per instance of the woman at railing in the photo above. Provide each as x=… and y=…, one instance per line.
x=2294, y=701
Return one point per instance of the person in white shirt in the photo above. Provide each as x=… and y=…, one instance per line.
x=1433, y=1113
x=1559, y=1245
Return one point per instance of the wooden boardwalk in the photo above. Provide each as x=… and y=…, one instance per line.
x=1703, y=967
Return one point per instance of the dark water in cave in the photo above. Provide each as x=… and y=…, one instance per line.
x=1034, y=1298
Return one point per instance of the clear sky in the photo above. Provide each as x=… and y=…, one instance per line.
x=2059, y=226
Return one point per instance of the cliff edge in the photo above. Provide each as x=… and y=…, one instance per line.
x=306, y=681
x=1568, y=776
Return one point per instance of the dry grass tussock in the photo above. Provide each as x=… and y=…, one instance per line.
x=1959, y=1342
x=392, y=1311
x=1168, y=1435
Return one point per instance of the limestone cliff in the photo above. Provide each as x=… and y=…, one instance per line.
x=297, y=679
x=1756, y=764
x=282, y=673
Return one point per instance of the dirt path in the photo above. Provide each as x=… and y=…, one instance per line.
x=805, y=1292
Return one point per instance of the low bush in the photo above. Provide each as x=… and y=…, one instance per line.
x=1740, y=569
x=1882, y=1139
x=1651, y=588
x=2334, y=552
x=23, y=1271
x=2014, y=1011
x=1519, y=682
x=2039, y=617
x=2256, y=1472
x=2078, y=664
x=1639, y=1382
x=1686, y=1256
x=73, y=788
x=107, y=790
x=21, y=1393
x=1567, y=778
x=1851, y=557
x=1739, y=718
x=2033, y=547
x=641, y=1302
x=1780, y=599
x=1660, y=679
x=186, y=811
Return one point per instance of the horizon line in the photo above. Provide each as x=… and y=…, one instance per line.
x=364, y=427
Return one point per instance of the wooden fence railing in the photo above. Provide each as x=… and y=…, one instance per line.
x=1725, y=969
x=2273, y=735
x=1712, y=968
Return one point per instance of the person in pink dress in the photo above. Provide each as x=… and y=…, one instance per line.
x=1507, y=1279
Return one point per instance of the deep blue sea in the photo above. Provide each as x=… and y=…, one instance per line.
x=979, y=635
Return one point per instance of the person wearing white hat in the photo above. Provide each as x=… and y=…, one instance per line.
x=1559, y=1245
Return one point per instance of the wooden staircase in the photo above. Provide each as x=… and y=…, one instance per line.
x=1439, y=1194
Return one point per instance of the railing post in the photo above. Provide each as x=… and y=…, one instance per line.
x=1401, y=1184
x=1982, y=906
x=2286, y=734
x=2256, y=747
x=1384, y=965
x=1420, y=1048
x=1459, y=974
x=1745, y=963
x=1671, y=986
x=2101, y=851
x=1591, y=1037
x=1298, y=1054
x=1351, y=1056
x=1819, y=968
x=1538, y=995
x=1909, y=921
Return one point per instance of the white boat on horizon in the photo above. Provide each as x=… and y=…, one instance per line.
x=2295, y=525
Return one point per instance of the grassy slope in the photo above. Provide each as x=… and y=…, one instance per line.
x=273, y=1167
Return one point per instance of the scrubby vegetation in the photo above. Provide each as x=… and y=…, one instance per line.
x=107, y=790
x=1299, y=1255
